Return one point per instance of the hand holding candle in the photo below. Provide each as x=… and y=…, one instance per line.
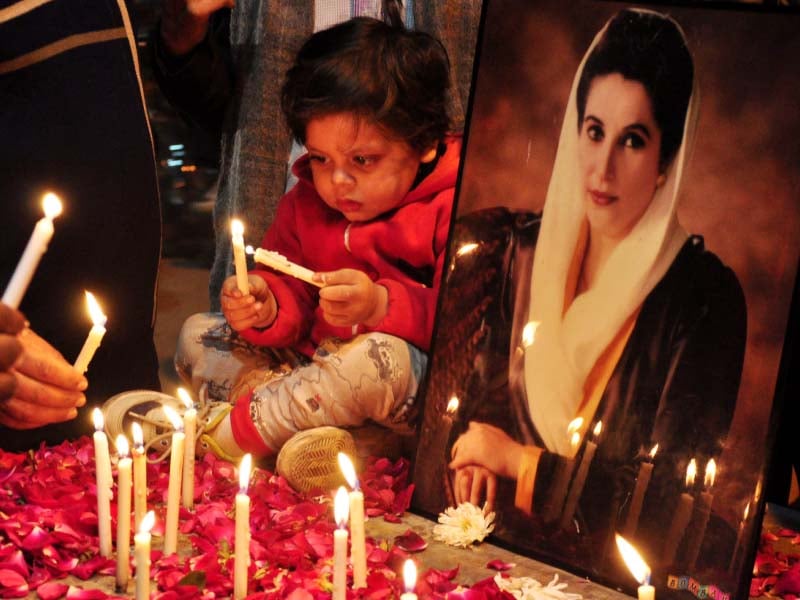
x=37, y=246
x=340, y=510
x=141, y=555
x=123, y=514
x=358, y=552
x=189, y=429
x=637, y=567
x=139, y=476
x=241, y=548
x=96, y=334
x=409, y=580
x=102, y=463
x=239, y=260
x=175, y=480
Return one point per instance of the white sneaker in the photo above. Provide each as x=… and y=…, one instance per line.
x=309, y=460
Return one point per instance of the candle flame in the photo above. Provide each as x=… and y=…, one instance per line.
x=138, y=437
x=574, y=425
x=122, y=446
x=653, y=451
x=184, y=397
x=598, y=428
x=575, y=440
x=173, y=417
x=466, y=249
x=147, y=522
x=95, y=312
x=249, y=249
x=529, y=333
x=452, y=405
x=633, y=560
x=237, y=228
x=51, y=205
x=97, y=419
x=691, y=473
x=409, y=575
x=341, y=507
x=746, y=512
x=244, y=472
x=348, y=470
x=711, y=473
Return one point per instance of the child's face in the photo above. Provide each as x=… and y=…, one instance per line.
x=357, y=170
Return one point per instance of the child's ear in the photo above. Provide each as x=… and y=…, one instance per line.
x=429, y=154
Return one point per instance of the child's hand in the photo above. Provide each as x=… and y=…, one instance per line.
x=350, y=297
x=242, y=311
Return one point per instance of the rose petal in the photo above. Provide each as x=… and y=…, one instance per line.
x=411, y=541
x=11, y=579
x=52, y=590
x=499, y=565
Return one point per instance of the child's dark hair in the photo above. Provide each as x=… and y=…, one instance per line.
x=382, y=72
x=649, y=48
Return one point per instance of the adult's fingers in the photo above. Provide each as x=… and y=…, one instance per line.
x=37, y=393
x=8, y=385
x=476, y=489
x=10, y=349
x=11, y=320
x=19, y=414
x=46, y=365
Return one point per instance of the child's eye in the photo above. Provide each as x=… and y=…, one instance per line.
x=633, y=140
x=364, y=161
x=316, y=158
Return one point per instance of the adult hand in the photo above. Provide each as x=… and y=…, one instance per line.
x=487, y=446
x=242, y=311
x=49, y=389
x=11, y=323
x=475, y=485
x=184, y=23
x=350, y=297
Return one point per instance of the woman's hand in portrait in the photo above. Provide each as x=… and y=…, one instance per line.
x=242, y=311
x=476, y=485
x=349, y=297
x=487, y=446
x=48, y=388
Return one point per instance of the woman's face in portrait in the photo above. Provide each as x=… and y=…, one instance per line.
x=618, y=153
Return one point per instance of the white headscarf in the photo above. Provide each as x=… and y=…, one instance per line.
x=568, y=344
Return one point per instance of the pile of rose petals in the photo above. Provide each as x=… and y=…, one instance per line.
x=48, y=530
x=776, y=573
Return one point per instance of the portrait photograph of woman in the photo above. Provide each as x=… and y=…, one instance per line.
x=620, y=277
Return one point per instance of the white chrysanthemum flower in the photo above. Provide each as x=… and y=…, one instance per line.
x=464, y=525
x=527, y=588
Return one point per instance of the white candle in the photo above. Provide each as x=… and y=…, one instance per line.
x=280, y=263
x=37, y=246
x=96, y=334
x=340, y=510
x=123, y=514
x=409, y=580
x=638, y=568
x=189, y=428
x=580, y=478
x=358, y=552
x=141, y=556
x=175, y=479
x=239, y=261
x=702, y=514
x=680, y=519
x=637, y=500
x=102, y=463
x=139, y=477
x=563, y=474
x=241, y=548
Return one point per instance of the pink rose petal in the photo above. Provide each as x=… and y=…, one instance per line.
x=11, y=579
x=52, y=590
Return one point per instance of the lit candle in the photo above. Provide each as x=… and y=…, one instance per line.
x=576, y=489
x=96, y=334
x=102, y=463
x=280, y=263
x=37, y=246
x=189, y=429
x=340, y=509
x=739, y=536
x=637, y=567
x=123, y=514
x=702, y=513
x=637, y=500
x=409, y=580
x=563, y=473
x=358, y=551
x=241, y=548
x=139, y=476
x=239, y=261
x=141, y=556
x=680, y=520
x=174, y=490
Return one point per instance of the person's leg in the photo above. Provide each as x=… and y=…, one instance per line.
x=373, y=376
